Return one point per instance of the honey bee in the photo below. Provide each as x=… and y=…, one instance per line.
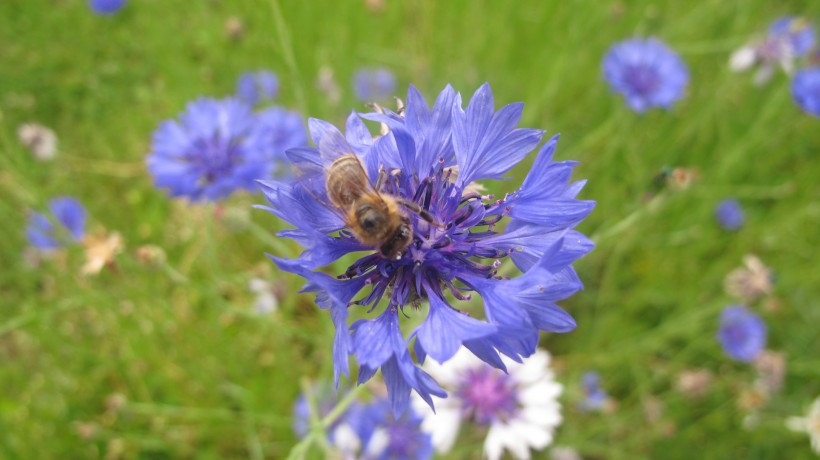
x=376, y=219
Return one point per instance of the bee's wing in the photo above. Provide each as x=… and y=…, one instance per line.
x=333, y=145
x=308, y=170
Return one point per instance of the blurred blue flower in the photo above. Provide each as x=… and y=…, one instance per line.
x=365, y=430
x=341, y=433
x=806, y=90
x=277, y=130
x=788, y=38
x=796, y=32
x=206, y=154
x=255, y=87
x=387, y=437
x=430, y=159
x=646, y=72
x=595, y=397
x=730, y=215
x=65, y=225
x=742, y=333
x=106, y=7
x=374, y=84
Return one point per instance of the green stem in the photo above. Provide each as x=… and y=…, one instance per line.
x=318, y=432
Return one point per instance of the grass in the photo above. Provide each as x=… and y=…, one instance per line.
x=171, y=362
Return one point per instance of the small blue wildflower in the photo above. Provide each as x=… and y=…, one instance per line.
x=106, y=7
x=430, y=157
x=742, y=333
x=255, y=87
x=730, y=215
x=277, y=130
x=65, y=225
x=646, y=72
x=387, y=437
x=806, y=90
x=595, y=397
x=795, y=32
x=788, y=38
x=374, y=84
x=206, y=156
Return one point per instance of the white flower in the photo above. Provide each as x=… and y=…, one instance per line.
x=344, y=438
x=751, y=282
x=41, y=141
x=743, y=58
x=266, y=301
x=521, y=408
x=809, y=424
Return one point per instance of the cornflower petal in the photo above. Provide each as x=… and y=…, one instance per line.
x=71, y=214
x=334, y=295
x=485, y=143
x=445, y=329
x=65, y=225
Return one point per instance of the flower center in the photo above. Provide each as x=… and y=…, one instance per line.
x=487, y=395
x=737, y=333
x=642, y=78
x=441, y=250
x=215, y=157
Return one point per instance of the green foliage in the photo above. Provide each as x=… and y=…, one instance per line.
x=171, y=361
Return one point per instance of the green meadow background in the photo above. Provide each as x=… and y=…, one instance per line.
x=172, y=361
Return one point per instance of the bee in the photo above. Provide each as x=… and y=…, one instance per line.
x=376, y=219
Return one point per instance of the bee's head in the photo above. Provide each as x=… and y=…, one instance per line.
x=395, y=245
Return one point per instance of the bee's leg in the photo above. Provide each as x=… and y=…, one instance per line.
x=381, y=179
x=423, y=213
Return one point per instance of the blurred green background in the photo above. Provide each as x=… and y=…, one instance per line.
x=173, y=361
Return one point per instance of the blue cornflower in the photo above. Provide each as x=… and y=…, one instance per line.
x=277, y=130
x=206, y=154
x=106, y=7
x=365, y=430
x=518, y=410
x=374, y=84
x=646, y=72
x=65, y=225
x=385, y=436
x=254, y=87
x=596, y=397
x=795, y=32
x=730, y=215
x=342, y=432
x=431, y=158
x=788, y=38
x=806, y=90
x=742, y=333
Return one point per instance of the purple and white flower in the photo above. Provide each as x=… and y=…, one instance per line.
x=519, y=410
x=788, y=38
